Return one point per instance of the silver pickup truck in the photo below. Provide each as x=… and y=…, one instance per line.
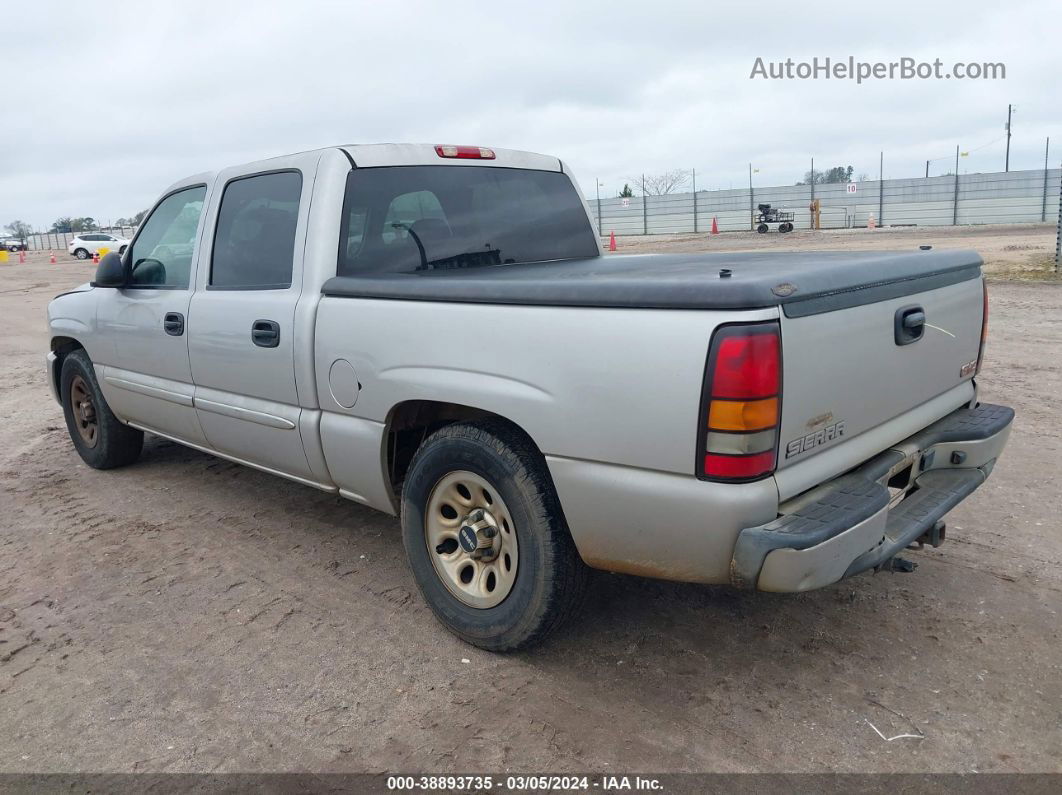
x=433, y=331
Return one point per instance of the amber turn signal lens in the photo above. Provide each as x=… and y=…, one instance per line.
x=743, y=415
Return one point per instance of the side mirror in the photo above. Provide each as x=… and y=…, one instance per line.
x=110, y=272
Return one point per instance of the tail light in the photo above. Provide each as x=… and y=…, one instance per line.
x=741, y=404
x=984, y=329
x=464, y=152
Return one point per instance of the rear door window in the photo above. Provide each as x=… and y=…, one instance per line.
x=408, y=218
x=254, y=245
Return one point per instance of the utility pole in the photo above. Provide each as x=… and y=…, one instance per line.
x=881, y=190
x=599, y=232
x=752, y=206
x=813, y=179
x=694, y=171
x=927, y=169
x=1007, y=165
x=1058, y=236
x=645, y=209
x=955, y=202
x=1043, y=208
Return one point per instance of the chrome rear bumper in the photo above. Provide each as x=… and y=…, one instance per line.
x=855, y=523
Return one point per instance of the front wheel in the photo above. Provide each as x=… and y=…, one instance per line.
x=762, y=229
x=81, y=253
x=101, y=440
x=486, y=538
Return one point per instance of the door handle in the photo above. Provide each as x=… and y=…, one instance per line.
x=265, y=333
x=173, y=323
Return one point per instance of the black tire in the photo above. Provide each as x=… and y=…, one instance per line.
x=762, y=229
x=121, y=251
x=115, y=444
x=81, y=253
x=551, y=577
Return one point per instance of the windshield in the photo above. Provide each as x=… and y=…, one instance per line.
x=400, y=219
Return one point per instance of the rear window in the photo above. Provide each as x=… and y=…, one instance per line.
x=254, y=244
x=400, y=219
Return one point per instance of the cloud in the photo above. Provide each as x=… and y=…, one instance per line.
x=117, y=100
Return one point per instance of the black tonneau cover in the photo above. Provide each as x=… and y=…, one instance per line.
x=803, y=283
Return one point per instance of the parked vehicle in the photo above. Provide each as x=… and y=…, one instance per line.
x=434, y=332
x=85, y=244
x=8, y=243
x=772, y=215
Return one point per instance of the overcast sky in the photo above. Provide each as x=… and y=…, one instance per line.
x=105, y=104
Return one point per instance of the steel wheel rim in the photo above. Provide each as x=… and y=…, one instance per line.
x=464, y=499
x=84, y=411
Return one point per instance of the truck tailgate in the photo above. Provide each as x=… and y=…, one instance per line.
x=850, y=370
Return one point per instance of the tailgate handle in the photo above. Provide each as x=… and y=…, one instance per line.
x=909, y=325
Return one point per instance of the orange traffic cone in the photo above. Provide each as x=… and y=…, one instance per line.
x=21, y=257
x=611, y=241
x=96, y=258
x=715, y=225
x=53, y=258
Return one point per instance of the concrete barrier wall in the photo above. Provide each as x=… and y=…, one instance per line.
x=996, y=198
x=58, y=241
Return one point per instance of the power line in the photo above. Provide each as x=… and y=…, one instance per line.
x=968, y=151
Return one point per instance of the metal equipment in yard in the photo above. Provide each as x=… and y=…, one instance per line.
x=770, y=215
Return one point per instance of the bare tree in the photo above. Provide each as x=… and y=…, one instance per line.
x=20, y=229
x=661, y=184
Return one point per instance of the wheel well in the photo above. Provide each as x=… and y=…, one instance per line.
x=61, y=346
x=413, y=421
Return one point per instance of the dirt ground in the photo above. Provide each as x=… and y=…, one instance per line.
x=1011, y=250
x=188, y=614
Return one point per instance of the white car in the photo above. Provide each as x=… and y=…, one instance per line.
x=86, y=244
x=8, y=243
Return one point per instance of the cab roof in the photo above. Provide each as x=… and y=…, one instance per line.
x=375, y=155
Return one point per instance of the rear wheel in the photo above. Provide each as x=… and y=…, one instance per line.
x=101, y=440
x=81, y=253
x=121, y=250
x=486, y=538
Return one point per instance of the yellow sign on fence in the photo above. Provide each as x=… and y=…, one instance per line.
x=104, y=252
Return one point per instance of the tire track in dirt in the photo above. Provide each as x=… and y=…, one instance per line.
x=190, y=614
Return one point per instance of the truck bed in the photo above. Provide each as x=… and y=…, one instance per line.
x=803, y=283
